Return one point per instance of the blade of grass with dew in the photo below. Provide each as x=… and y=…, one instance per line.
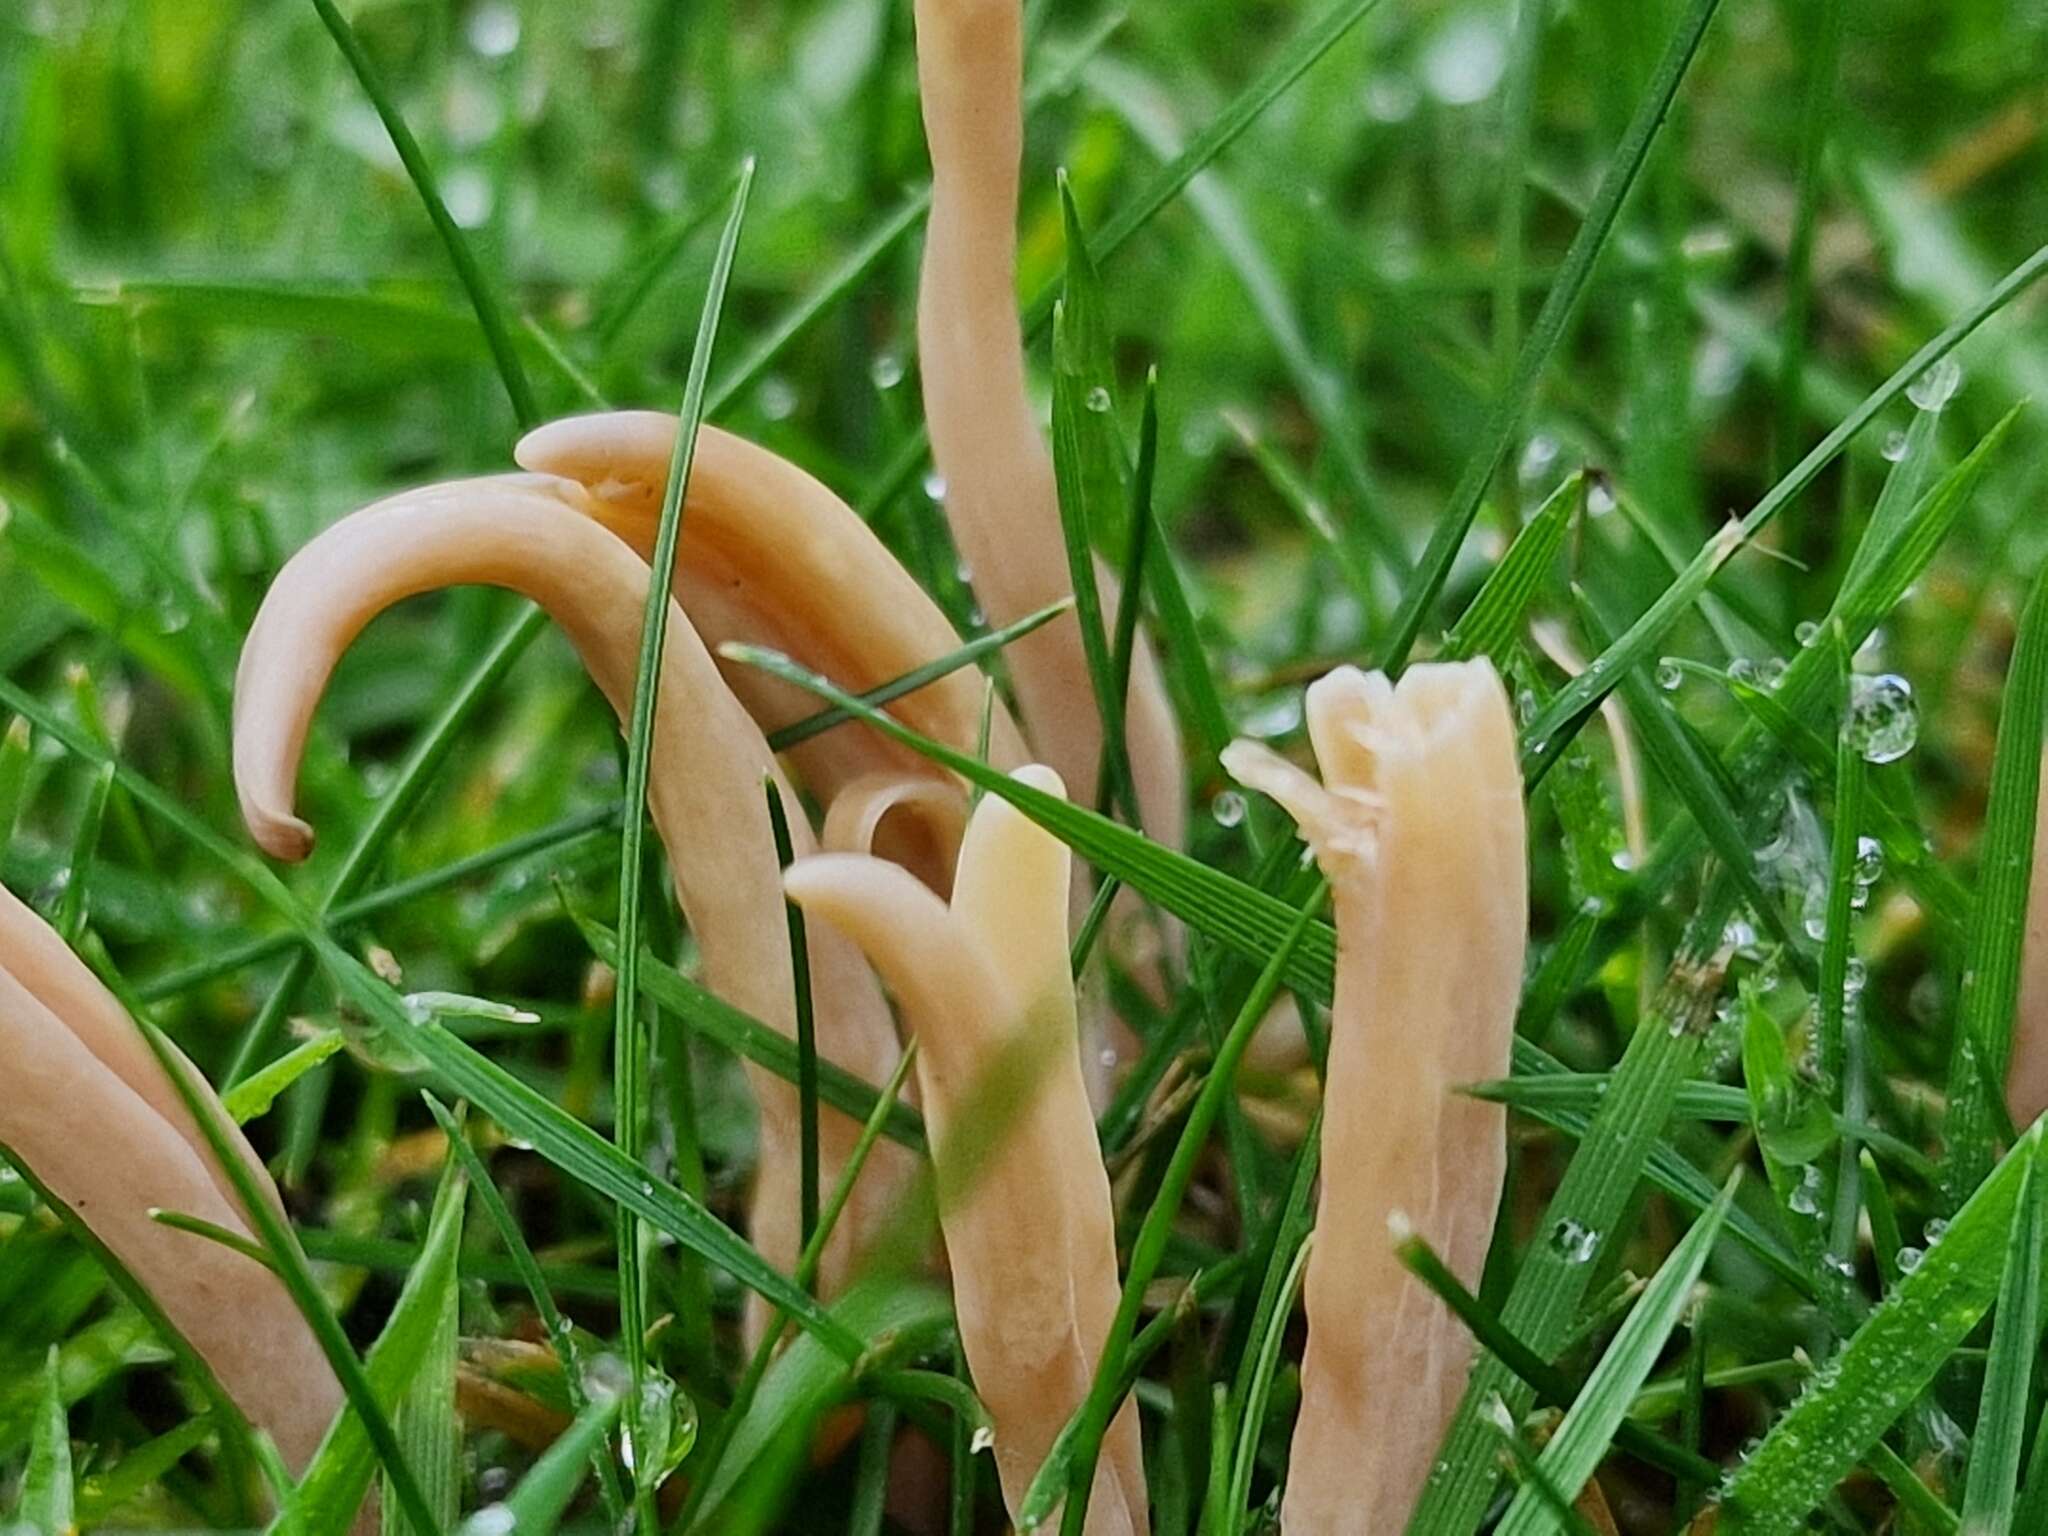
x=1616, y=1148
x=1903, y=485
x=1576, y=701
x=1840, y=1043
x=591, y=1160
x=715, y=1019
x=497, y=334
x=1992, y=1488
x=1087, y=488
x=1500, y=607
x=364, y=1409
x=336, y=1479
x=561, y=1334
x=1884, y=1366
x=1553, y=1388
x=541, y=1498
x=895, y=1320
x=629, y=1044
x=1583, y=1091
x=1991, y=972
x=1153, y=1235
x=1559, y=306
x=1582, y=1439
x=47, y=1494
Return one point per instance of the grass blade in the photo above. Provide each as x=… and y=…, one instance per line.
x=1992, y=1490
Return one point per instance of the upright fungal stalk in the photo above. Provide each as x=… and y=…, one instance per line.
x=710, y=761
x=2026, y=1077
x=771, y=556
x=1417, y=821
x=90, y=1112
x=1023, y=1198
x=1000, y=496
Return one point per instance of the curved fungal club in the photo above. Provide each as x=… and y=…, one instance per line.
x=538, y=537
x=1417, y=821
x=1024, y=1200
x=92, y=1114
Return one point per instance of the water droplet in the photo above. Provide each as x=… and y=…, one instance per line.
x=1716, y=368
x=1670, y=675
x=887, y=371
x=1465, y=60
x=1098, y=400
x=1894, y=448
x=983, y=1438
x=1869, y=860
x=1599, y=498
x=1882, y=722
x=1769, y=673
x=1807, y=632
x=491, y=1520
x=493, y=29
x=1933, y=390
x=1937, y=1229
x=1573, y=1242
x=1391, y=98
x=1227, y=808
x=776, y=398
x=468, y=195
x=1805, y=1197
x=935, y=486
x=1909, y=1260
x=1537, y=457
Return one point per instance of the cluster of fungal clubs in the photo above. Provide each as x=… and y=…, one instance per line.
x=962, y=912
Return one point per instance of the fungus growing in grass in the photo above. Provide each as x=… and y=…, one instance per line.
x=1000, y=496
x=770, y=556
x=1418, y=824
x=90, y=1112
x=709, y=764
x=1024, y=1200
x=2026, y=1077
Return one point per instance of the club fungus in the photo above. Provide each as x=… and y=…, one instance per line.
x=710, y=761
x=90, y=1112
x=771, y=556
x=1024, y=1204
x=1000, y=497
x=1418, y=824
x=2026, y=1080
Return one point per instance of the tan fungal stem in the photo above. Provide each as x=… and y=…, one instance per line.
x=1000, y=497
x=91, y=1113
x=709, y=764
x=1023, y=1198
x=1418, y=823
x=2026, y=1077
x=770, y=556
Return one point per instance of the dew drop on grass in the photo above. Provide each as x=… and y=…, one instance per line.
x=1670, y=676
x=493, y=29
x=1465, y=60
x=1227, y=808
x=1807, y=631
x=1869, y=860
x=1537, y=457
x=886, y=371
x=983, y=1438
x=1894, y=448
x=1098, y=400
x=1573, y=1241
x=1882, y=721
x=1909, y=1260
x=491, y=1520
x=935, y=486
x=1599, y=498
x=1933, y=390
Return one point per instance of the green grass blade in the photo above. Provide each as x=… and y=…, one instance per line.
x=424, y=1414
x=488, y=312
x=366, y=1410
x=1991, y=1492
x=1577, y=699
x=536, y=1506
x=1991, y=975
x=629, y=1038
x=252, y=1097
x=1559, y=306
x=1582, y=1439
x=1265, y=1360
x=1884, y=1367
x=806, y=1031
x=47, y=1494
x=1498, y=610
